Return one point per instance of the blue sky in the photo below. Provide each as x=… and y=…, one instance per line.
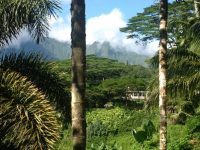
x=129, y=8
x=98, y=7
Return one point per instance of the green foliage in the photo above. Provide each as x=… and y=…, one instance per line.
x=181, y=144
x=183, y=76
x=131, y=119
x=66, y=142
x=188, y=108
x=107, y=80
x=27, y=119
x=149, y=128
x=183, y=140
x=120, y=119
x=103, y=146
x=96, y=129
x=146, y=133
x=140, y=136
x=193, y=124
x=193, y=35
x=184, y=69
x=143, y=24
x=110, y=118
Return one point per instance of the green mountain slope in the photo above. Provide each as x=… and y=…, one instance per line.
x=56, y=50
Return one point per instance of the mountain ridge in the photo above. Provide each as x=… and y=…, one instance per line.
x=52, y=49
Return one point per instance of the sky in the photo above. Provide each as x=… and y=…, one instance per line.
x=103, y=20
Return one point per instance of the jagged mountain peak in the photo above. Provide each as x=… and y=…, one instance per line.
x=56, y=50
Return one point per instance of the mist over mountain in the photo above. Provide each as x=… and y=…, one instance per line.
x=52, y=49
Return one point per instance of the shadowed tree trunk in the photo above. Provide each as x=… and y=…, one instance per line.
x=163, y=73
x=78, y=45
x=197, y=7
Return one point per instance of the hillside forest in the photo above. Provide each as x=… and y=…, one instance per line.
x=61, y=96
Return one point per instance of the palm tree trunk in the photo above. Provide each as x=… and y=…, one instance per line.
x=197, y=7
x=163, y=73
x=78, y=74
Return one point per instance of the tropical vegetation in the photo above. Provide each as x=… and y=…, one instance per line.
x=35, y=111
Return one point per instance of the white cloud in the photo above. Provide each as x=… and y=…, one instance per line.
x=102, y=28
x=106, y=28
x=60, y=28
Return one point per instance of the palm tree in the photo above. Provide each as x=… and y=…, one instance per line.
x=163, y=73
x=78, y=74
x=25, y=14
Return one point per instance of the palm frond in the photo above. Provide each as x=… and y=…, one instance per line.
x=186, y=85
x=183, y=73
x=183, y=62
x=27, y=119
x=194, y=35
x=30, y=14
x=153, y=92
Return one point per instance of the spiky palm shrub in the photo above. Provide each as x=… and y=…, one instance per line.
x=27, y=119
x=41, y=74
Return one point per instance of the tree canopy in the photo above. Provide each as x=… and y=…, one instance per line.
x=144, y=26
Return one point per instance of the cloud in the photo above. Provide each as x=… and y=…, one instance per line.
x=60, y=28
x=104, y=27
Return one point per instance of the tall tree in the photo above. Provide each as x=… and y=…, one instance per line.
x=163, y=73
x=78, y=73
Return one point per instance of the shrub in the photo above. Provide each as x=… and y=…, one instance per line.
x=103, y=146
x=97, y=129
x=27, y=119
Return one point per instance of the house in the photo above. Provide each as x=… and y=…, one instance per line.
x=134, y=95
